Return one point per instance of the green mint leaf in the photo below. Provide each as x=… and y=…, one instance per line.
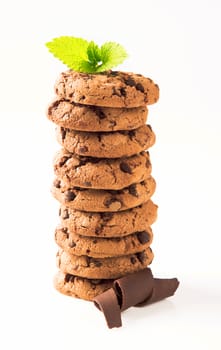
x=93, y=53
x=83, y=56
x=112, y=54
x=71, y=51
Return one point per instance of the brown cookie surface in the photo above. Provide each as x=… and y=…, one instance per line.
x=79, y=287
x=98, y=173
x=111, y=224
x=111, y=89
x=103, y=200
x=115, y=144
x=104, y=268
x=102, y=247
x=75, y=116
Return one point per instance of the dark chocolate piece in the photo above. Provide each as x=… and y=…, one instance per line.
x=107, y=302
x=137, y=289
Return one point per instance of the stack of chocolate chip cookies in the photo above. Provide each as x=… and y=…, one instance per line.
x=103, y=179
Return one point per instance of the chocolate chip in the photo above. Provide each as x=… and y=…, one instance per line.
x=98, y=230
x=143, y=237
x=87, y=184
x=65, y=214
x=88, y=251
x=57, y=183
x=106, y=216
x=72, y=244
x=115, y=92
x=141, y=257
x=64, y=230
x=131, y=134
x=123, y=91
x=139, y=87
x=83, y=149
x=149, y=127
x=148, y=163
x=124, y=166
x=63, y=133
x=99, y=113
x=69, y=278
x=112, y=203
x=129, y=81
x=69, y=196
x=97, y=263
x=63, y=161
x=95, y=241
x=112, y=123
x=133, y=260
x=133, y=190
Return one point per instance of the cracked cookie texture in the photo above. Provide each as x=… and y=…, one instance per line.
x=102, y=247
x=80, y=117
x=109, y=224
x=104, y=200
x=101, y=173
x=106, y=145
x=105, y=268
x=110, y=89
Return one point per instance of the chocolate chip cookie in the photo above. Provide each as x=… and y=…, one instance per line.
x=105, y=268
x=103, y=200
x=79, y=287
x=102, y=247
x=106, y=145
x=111, y=224
x=99, y=173
x=75, y=116
x=110, y=89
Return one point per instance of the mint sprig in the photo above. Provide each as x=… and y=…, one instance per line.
x=86, y=56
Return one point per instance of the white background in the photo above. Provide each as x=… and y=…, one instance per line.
x=177, y=44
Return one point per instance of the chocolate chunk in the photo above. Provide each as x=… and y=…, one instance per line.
x=148, y=163
x=87, y=184
x=129, y=81
x=133, y=190
x=133, y=260
x=106, y=216
x=98, y=111
x=63, y=161
x=69, y=278
x=141, y=257
x=95, y=262
x=123, y=91
x=113, y=123
x=137, y=289
x=124, y=166
x=64, y=230
x=65, y=214
x=57, y=183
x=72, y=244
x=107, y=302
x=143, y=237
x=69, y=196
x=139, y=87
x=113, y=203
x=98, y=230
x=83, y=149
x=63, y=133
